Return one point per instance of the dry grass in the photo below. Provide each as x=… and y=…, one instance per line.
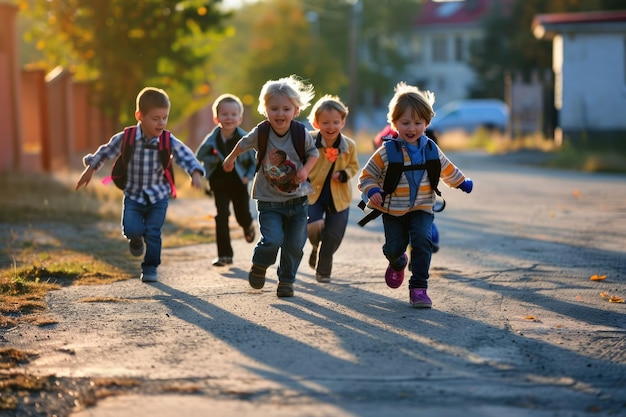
x=53, y=236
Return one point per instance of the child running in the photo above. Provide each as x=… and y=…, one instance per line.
x=407, y=212
x=338, y=164
x=282, y=207
x=231, y=186
x=149, y=183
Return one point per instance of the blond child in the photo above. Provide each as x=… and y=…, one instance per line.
x=227, y=187
x=282, y=209
x=338, y=164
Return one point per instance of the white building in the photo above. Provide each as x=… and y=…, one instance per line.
x=440, y=50
x=589, y=63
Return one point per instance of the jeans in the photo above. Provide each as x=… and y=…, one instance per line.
x=415, y=228
x=144, y=221
x=225, y=192
x=335, y=224
x=282, y=226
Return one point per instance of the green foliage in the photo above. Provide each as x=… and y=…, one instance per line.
x=123, y=46
x=509, y=46
x=312, y=38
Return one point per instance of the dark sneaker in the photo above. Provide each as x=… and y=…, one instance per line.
x=149, y=277
x=136, y=247
x=256, y=277
x=394, y=278
x=313, y=258
x=249, y=233
x=222, y=261
x=322, y=278
x=419, y=298
x=284, y=289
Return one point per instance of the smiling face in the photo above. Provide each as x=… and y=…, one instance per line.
x=329, y=122
x=228, y=116
x=153, y=122
x=410, y=126
x=280, y=112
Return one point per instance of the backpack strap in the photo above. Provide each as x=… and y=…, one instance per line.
x=297, y=131
x=165, y=152
x=396, y=167
x=120, y=166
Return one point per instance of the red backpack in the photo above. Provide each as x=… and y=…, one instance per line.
x=119, y=172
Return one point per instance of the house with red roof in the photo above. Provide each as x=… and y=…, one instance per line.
x=443, y=34
x=589, y=63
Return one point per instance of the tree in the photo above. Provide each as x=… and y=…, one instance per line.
x=311, y=38
x=509, y=46
x=122, y=46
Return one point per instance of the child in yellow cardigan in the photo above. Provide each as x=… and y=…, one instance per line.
x=330, y=177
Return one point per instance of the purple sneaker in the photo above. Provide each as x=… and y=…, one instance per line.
x=419, y=298
x=394, y=278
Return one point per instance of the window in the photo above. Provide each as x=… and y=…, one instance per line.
x=459, y=49
x=440, y=49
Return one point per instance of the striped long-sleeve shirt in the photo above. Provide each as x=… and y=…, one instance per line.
x=146, y=179
x=399, y=201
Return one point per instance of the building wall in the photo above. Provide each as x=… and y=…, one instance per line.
x=10, y=140
x=445, y=73
x=594, y=85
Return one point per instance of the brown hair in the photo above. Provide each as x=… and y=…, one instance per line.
x=152, y=98
x=409, y=97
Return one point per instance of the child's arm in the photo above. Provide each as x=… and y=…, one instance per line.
x=229, y=162
x=303, y=174
x=85, y=177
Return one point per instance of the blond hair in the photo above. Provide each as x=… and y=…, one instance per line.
x=226, y=98
x=152, y=98
x=292, y=87
x=327, y=103
x=409, y=97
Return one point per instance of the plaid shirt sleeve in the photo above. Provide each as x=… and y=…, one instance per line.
x=184, y=157
x=109, y=150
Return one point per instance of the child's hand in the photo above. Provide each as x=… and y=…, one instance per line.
x=466, y=185
x=196, y=179
x=85, y=177
x=375, y=197
x=228, y=164
x=302, y=175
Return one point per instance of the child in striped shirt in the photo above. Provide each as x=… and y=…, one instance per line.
x=408, y=210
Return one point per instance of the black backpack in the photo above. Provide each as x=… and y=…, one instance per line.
x=119, y=172
x=297, y=137
x=396, y=167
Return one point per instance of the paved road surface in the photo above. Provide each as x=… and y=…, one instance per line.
x=517, y=327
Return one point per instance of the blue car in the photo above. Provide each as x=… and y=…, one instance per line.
x=470, y=115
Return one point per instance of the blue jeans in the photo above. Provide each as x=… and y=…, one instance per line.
x=282, y=226
x=335, y=224
x=415, y=228
x=144, y=221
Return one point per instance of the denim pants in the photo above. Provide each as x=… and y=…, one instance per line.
x=144, y=221
x=415, y=228
x=282, y=226
x=335, y=224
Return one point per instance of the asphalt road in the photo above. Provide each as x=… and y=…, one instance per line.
x=517, y=327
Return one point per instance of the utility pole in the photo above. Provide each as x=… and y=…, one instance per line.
x=357, y=9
